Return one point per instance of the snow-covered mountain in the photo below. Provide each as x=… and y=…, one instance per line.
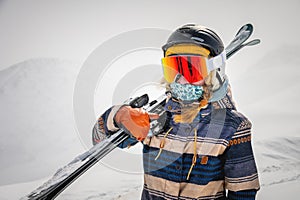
x=37, y=128
x=278, y=160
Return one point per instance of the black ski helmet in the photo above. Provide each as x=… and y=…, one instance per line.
x=196, y=34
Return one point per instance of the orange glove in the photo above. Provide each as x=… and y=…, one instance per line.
x=134, y=121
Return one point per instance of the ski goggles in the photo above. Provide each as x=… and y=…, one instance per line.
x=193, y=68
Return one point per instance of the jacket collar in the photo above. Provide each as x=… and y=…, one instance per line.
x=225, y=102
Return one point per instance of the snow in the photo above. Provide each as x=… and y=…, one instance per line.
x=39, y=137
x=286, y=190
x=36, y=118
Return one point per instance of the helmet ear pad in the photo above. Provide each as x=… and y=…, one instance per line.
x=196, y=34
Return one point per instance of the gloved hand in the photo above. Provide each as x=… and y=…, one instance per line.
x=134, y=121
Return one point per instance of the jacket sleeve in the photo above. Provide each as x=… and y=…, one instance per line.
x=105, y=127
x=241, y=177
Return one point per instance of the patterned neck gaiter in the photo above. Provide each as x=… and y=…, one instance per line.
x=186, y=92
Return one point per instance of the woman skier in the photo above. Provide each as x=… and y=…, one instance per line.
x=204, y=150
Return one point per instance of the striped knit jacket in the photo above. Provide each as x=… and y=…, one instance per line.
x=210, y=158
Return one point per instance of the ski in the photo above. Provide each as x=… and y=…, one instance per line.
x=239, y=40
x=73, y=170
x=238, y=47
x=70, y=172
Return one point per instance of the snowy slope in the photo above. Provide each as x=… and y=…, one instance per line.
x=36, y=118
x=278, y=160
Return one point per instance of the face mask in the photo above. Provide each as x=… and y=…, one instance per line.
x=186, y=92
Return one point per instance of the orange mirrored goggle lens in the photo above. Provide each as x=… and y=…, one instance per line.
x=193, y=68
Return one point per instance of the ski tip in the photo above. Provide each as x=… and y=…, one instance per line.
x=255, y=42
x=247, y=27
x=252, y=42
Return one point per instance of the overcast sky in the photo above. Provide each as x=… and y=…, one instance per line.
x=73, y=29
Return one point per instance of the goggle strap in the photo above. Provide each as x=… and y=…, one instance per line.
x=216, y=62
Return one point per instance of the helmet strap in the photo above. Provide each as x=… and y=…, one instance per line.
x=221, y=82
